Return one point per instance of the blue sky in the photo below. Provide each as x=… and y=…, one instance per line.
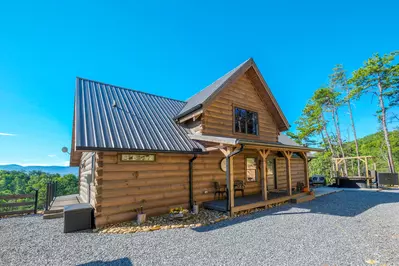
x=173, y=49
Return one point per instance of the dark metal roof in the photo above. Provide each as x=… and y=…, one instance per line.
x=108, y=117
x=195, y=102
x=284, y=139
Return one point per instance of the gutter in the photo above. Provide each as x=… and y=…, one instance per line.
x=190, y=180
x=228, y=174
x=249, y=142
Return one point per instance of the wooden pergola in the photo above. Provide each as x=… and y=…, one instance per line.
x=364, y=159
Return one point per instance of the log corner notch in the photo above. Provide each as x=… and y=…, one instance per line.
x=98, y=181
x=263, y=154
x=229, y=152
x=288, y=155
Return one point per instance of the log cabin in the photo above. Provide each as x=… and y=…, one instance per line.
x=134, y=148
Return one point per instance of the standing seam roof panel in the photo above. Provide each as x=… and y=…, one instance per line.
x=140, y=121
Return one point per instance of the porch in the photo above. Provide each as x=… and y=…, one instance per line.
x=251, y=201
x=272, y=172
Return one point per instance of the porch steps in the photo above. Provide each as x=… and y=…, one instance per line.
x=53, y=214
x=57, y=208
x=301, y=199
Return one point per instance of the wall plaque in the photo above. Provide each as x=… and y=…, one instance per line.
x=137, y=157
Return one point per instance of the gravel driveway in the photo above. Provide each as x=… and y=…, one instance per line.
x=345, y=228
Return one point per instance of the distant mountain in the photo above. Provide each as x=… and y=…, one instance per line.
x=62, y=170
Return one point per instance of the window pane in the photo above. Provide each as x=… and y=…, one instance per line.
x=252, y=123
x=240, y=120
x=251, y=169
x=251, y=163
x=245, y=121
x=270, y=167
x=251, y=175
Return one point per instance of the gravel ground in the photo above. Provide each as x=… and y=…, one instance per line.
x=345, y=228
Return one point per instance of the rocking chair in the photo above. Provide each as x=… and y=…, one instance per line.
x=219, y=190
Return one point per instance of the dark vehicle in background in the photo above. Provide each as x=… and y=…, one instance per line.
x=318, y=180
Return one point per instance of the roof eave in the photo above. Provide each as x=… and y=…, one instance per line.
x=189, y=111
x=257, y=143
x=81, y=148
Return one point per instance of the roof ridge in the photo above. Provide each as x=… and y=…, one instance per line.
x=216, y=80
x=124, y=88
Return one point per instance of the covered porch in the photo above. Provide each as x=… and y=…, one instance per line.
x=283, y=188
x=251, y=201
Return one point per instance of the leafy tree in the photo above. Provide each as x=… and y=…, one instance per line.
x=21, y=182
x=379, y=76
x=373, y=145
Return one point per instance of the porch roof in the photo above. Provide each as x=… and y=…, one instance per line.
x=284, y=142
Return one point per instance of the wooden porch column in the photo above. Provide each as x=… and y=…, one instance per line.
x=367, y=173
x=287, y=155
x=263, y=154
x=229, y=177
x=305, y=158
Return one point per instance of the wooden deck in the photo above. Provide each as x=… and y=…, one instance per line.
x=62, y=201
x=250, y=201
x=56, y=210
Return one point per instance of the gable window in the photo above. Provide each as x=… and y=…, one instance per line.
x=245, y=121
x=251, y=170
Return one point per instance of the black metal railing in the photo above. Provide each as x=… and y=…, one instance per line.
x=51, y=194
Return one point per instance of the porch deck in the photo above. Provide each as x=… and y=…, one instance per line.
x=250, y=201
x=61, y=201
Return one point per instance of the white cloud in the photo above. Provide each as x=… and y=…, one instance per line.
x=6, y=134
x=52, y=155
x=64, y=163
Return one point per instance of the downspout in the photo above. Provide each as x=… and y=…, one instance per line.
x=190, y=180
x=228, y=174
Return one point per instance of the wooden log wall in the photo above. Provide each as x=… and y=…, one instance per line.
x=163, y=184
x=218, y=117
x=297, y=172
x=85, y=169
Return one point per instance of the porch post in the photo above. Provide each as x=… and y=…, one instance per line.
x=305, y=158
x=230, y=180
x=229, y=153
x=287, y=155
x=367, y=173
x=263, y=155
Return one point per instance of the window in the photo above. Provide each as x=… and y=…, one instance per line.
x=245, y=121
x=251, y=169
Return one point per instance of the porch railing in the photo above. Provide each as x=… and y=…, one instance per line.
x=51, y=194
x=17, y=204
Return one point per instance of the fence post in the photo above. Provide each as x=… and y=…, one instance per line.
x=47, y=196
x=36, y=197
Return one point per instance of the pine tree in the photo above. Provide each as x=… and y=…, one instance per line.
x=379, y=76
x=339, y=82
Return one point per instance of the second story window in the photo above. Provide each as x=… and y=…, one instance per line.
x=245, y=121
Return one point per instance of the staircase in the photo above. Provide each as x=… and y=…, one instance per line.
x=53, y=214
x=56, y=209
x=302, y=199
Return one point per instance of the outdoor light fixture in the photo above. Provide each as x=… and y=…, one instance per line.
x=65, y=150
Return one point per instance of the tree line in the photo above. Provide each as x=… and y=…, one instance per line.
x=21, y=182
x=320, y=119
